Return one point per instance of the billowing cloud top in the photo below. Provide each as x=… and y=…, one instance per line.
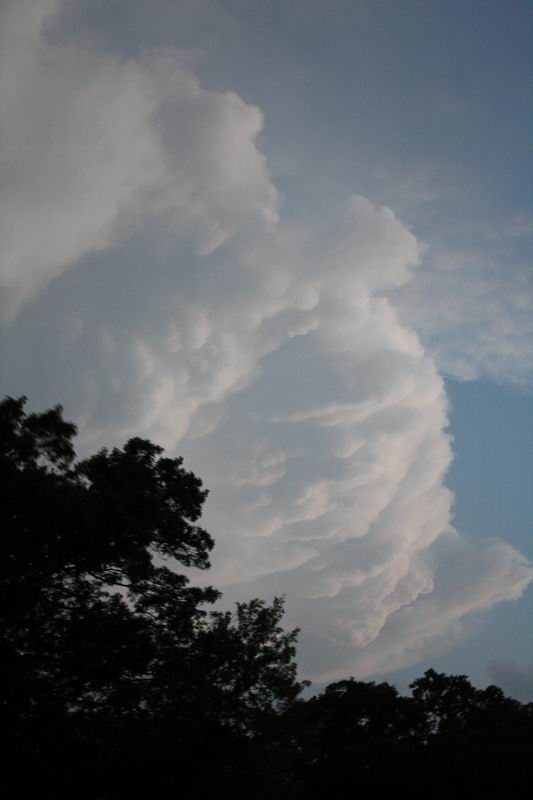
x=149, y=272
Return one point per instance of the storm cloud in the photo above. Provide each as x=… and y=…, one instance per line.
x=152, y=285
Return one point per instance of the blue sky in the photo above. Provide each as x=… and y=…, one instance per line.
x=292, y=242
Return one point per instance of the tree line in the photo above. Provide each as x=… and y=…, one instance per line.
x=120, y=678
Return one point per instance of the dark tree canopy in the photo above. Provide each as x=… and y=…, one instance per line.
x=120, y=680
x=104, y=642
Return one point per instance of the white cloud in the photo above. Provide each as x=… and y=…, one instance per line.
x=178, y=305
x=77, y=148
x=92, y=142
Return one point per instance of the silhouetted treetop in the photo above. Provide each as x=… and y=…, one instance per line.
x=119, y=681
x=107, y=515
x=108, y=651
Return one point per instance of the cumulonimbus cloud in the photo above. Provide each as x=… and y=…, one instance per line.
x=153, y=287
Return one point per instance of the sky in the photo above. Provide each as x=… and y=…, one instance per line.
x=291, y=242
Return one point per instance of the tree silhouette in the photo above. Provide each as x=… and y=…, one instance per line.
x=478, y=737
x=121, y=681
x=107, y=650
